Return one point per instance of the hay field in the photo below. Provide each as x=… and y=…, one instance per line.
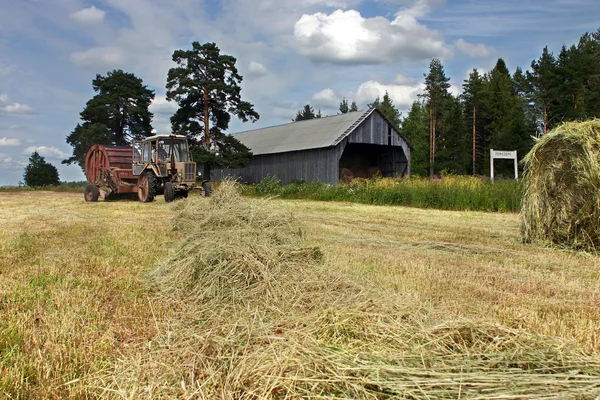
x=400, y=303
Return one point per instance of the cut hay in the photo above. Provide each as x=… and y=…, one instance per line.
x=259, y=315
x=561, y=201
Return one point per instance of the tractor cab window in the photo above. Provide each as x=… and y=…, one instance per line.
x=137, y=152
x=146, y=153
x=176, y=147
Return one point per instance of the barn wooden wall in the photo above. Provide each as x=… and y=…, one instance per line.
x=317, y=165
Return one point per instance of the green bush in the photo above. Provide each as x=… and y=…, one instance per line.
x=447, y=193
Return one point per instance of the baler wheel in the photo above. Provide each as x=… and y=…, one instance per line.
x=91, y=193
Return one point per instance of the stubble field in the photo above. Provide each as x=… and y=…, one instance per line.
x=403, y=303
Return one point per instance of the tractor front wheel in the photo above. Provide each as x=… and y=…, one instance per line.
x=91, y=193
x=147, y=187
x=169, y=192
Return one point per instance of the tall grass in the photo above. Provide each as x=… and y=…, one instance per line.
x=75, y=187
x=448, y=193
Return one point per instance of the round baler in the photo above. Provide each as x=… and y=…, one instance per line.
x=109, y=172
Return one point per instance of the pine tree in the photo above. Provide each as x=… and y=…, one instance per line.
x=306, y=113
x=508, y=127
x=436, y=94
x=40, y=173
x=206, y=86
x=388, y=109
x=415, y=131
x=543, y=82
x=353, y=107
x=344, y=106
x=116, y=115
x=472, y=96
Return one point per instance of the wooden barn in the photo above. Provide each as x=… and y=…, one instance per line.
x=357, y=144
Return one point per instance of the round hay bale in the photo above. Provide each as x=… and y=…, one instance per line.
x=346, y=175
x=373, y=171
x=561, y=200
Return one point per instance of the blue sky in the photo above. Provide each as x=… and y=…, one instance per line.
x=290, y=52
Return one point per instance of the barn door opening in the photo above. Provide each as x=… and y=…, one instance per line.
x=366, y=160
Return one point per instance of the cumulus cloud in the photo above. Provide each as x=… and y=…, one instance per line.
x=402, y=95
x=474, y=50
x=160, y=105
x=90, y=15
x=7, y=106
x=346, y=37
x=9, y=141
x=326, y=98
x=100, y=57
x=46, y=151
x=256, y=69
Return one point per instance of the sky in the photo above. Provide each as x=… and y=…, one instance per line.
x=290, y=53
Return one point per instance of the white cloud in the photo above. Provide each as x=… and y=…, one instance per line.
x=256, y=69
x=90, y=15
x=100, y=57
x=9, y=141
x=326, y=98
x=7, y=106
x=474, y=50
x=345, y=37
x=46, y=151
x=402, y=95
x=160, y=105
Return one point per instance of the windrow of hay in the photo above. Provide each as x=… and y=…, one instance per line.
x=259, y=315
x=561, y=201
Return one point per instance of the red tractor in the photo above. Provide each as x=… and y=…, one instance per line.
x=157, y=165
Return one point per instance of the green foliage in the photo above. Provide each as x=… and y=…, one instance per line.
x=206, y=86
x=414, y=129
x=344, y=108
x=308, y=112
x=116, y=115
x=446, y=193
x=228, y=153
x=388, y=109
x=40, y=173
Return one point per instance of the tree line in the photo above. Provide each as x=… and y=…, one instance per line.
x=499, y=110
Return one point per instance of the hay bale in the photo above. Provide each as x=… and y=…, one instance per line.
x=346, y=175
x=561, y=201
x=373, y=171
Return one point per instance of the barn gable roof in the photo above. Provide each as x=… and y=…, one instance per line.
x=303, y=135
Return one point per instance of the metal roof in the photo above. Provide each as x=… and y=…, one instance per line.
x=302, y=135
x=164, y=136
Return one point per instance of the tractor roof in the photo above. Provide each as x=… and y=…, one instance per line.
x=164, y=137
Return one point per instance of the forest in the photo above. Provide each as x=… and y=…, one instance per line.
x=498, y=110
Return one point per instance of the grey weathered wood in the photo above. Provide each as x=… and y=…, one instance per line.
x=322, y=164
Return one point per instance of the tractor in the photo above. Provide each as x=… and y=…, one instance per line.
x=157, y=165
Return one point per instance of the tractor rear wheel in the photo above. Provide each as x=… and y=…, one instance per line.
x=91, y=193
x=169, y=192
x=147, y=187
x=207, y=189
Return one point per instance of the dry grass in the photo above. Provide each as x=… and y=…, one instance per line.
x=407, y=303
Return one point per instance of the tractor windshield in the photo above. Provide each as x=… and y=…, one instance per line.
x=177, y=146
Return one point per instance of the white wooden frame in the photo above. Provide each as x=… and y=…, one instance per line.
x=506, y=155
